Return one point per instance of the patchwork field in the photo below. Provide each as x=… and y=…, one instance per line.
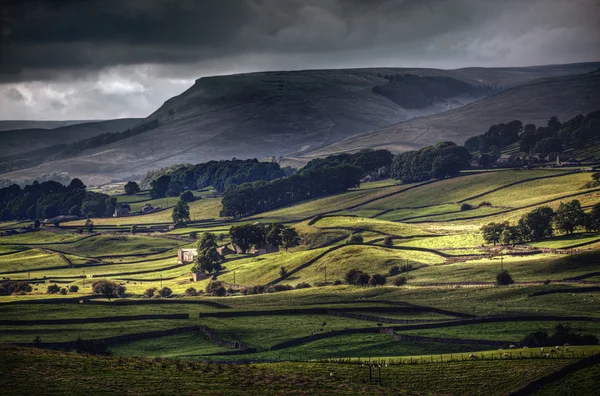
x=448, y=301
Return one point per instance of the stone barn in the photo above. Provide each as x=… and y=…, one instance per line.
x=122, y=210
x=185, y=256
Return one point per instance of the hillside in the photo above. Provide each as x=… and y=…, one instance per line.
x=274, y=114
x=24, y=140
x=11, y=125
x=534, y=102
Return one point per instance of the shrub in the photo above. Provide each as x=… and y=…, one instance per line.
x=53, y=289
x=133, y=229
x=399, y=281
x=377, y=280
x=194, y=235
x=504, y=278
x=9, y=287
x=395, y=270
x=108, y=289
x=278, y=288
x=337, y=282
x=191, y=292
x=220, y=291
x=388, y=241
x=302, y=285
x=484, y=203
x=214, y=288
x=357, y=277
x=73, y=289
x=165, y=292
x=465, y=207
x=150, y=292
x=63, y=291
x=355, y=238
x=407, y=267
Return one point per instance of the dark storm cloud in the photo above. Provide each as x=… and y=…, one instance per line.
x=109, y=58
x=42, y=39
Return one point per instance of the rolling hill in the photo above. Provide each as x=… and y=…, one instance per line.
x=19, y=141
x=534, y=102
x=291, y=114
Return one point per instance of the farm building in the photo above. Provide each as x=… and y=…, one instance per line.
x=198, y=276
x=258, y=251
x=185, y=256
x=148, y=209
x=122, y=210
x=225, y=250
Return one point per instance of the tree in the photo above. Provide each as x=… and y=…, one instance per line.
x=548, y=145
x=159, y=187
x=150, y=292
x=537, y=224
x=191, y=292
x=274, y=234
x=165, y=292
x=399, y=281
x=207, y=241
x=355, y=238
x=289, y=238
x=247, y=235
x=503, y=278
x=73, y=289
x=174, y=188
x=208, y=261
x=493, y=231
x=592, y=222
x=282, y=272
x=187, y=196
x=181, y=212
x=108, y=289
x=511, y=235
x=89, y=226
x=395, y=270
x=132, y=188
x=53, y=289
x=63, y=291
x=76, y=184
x=569, y=216
x=377, y=280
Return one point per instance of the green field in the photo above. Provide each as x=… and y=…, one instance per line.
x=449, y=269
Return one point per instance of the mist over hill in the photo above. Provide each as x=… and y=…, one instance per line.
x=305, y=113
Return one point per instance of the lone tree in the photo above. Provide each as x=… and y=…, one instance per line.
x=377, y=280
x=357, y=277
x=89, y=226
x=569, y=216
x=537, y=224
x=493, y=231
x=207, y=241
x=181, y=212
x=108, y=289
x=187, y=196
x=248, y=235
x=503, y=278
x=131, y=188
x=289, y=238
x=208, y=261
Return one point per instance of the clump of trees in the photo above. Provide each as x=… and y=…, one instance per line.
x=246, y=236
x=219, y=174
x=541, y=223
x=443, y=160
x=366, y=160
x=250, y=198
x=131, y=188
x=14, y=287
x=562, y=334
x=49, y=199
x=208, y=259
x=108, y=289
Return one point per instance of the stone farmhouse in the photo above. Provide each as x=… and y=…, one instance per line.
x=185, y=256
x=122, y=210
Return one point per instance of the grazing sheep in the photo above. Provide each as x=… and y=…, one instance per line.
x=473, y=357
x=558, y=348
x=313, y=332
x=566, y=349
x=505, y=355
x=546, y=355
x=511, y=346
x=542, y=349
x=525, y=347
x=324, y=323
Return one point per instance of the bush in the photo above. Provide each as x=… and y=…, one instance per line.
x=73, y=289
x=108, y=289
x=388, y=241
x=9, y=287
x=407, y=267
x=282, y=272
x=377, y=280
x=503, y=278
x=302, y=285
x=165, y=292
x=337, y=282
x=357, y=277
x=53, y=289
x=187, y=196
x=484, y=203
x=465, y=207
x=278, y=288
x=355, y=238
x=194, y=235
x=216, y=288
x=63, y=291
x=150, y=292
x=399, y=281
x=191, y=292
x=395, y=270
x=220, y=291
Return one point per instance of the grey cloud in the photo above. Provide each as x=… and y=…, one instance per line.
x=14, y=95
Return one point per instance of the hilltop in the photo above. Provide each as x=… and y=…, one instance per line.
x=564, y=97
x=272, y=114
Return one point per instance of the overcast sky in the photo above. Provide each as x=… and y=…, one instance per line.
x=102, y=59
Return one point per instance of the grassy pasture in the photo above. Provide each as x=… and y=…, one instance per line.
x=31, y=259
x=381, y=226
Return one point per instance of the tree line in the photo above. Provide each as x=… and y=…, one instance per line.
x=552, y=137
x=50, y=199
x=218, y=174
x=542, y=222
x=367, y=160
